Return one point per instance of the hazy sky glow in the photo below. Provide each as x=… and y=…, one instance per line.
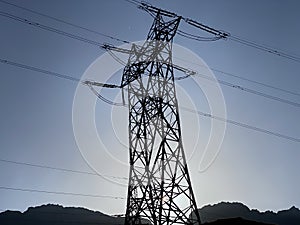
x=260, y=170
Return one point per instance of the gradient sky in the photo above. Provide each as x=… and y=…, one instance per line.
x=260, y=170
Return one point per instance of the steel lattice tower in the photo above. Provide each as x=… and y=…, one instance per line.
x=159, y=189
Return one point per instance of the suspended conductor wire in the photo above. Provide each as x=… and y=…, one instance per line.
x=241, y=124
x=255, y=82
x=182, y=77
x=103, y=46
x=222, y=35
x=103, y=98
x=63, y=169
x=4, y=61
x=58, y=75
x=196, y=37
x=249, y=90
x=100, y=45
x=60, y=193
x=134, y=2
x=119, y=60
x=264, y=48
x=238, y=87
x=271, y=48
x=239, y=77
x=115, y=57
x=51, y=29
x=60, y=169
x=241, y=88
x=190, y=110
x=64, y=22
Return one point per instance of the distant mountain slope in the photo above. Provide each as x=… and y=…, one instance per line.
x=219, y=214
x=57, y=215
x=232, y=210
x=235, y=221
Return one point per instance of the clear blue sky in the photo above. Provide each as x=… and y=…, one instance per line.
x=259, y=170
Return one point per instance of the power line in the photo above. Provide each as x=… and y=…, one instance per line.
x=226, y=35
x=134, y=2
x=51, y=29
x=219, y=34
x=58, y=75
x=60, y=169
x=208, y=115
x=238, y=87
x=255, y=82
x=222, y=72
x=249, y=90
x=125, y=41
x=242, y=125
x=103, y=46
x=63, y=21
x=59, y=193
x=196, y=37
x=98, y=44
x=4, y=61
x=244, y=42
x=264, y=48
x=103, y=98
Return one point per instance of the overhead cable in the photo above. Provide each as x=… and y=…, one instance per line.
x=204, y=114
x=60, y=169
x=249, y=90
x=110, y=47
x=51, y=29
x=59, y=192
x=265, y=131
x=63, y=21
x=219, y=33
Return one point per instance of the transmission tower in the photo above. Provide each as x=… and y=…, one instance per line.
x=159, y=189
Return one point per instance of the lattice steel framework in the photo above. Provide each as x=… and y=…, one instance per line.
x=159, y=189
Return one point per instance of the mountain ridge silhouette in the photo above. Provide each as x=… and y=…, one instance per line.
x=56, y=214
x=218, y=214
x=226, y=210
